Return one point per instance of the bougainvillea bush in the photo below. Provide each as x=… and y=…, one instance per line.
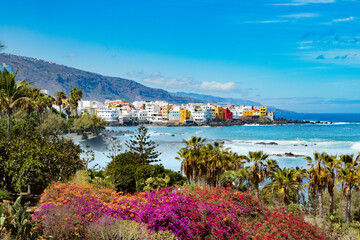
x=71, y=211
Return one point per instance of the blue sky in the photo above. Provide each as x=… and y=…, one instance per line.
x=301, y=55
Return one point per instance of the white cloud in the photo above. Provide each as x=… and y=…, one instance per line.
x=348, y=19
x=314, y=1
x=301, y=48
x=217, y=86
x=70, y=55
x=134, y=74
x=268, y=21
x=351, y=18
x=302, y=15
x=158, y=79
x=294, y=16
x=303, y=2
x=185, y=83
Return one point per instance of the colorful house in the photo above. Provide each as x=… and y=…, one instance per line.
x=263, y=111
x=165, y=111
x=248, y=113
x=219, y=112
x=184, y=115
x=228, y=115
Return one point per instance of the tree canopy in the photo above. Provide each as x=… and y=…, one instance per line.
x=141, y=144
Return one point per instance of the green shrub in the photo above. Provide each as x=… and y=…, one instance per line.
x=81, y=177
x=334, y=218
x=4, y=195
x=16, y=220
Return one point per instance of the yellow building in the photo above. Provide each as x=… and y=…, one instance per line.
x=263, y=111
x=219, y=112
x=184, y=115
x=165, y=111
x=248, y=113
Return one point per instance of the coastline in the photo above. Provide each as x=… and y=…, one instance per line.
x=222, y=123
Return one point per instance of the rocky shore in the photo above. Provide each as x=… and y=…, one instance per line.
x=223, y=122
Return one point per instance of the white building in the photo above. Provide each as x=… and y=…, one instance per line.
x=247, y=108
x=161, y=103
x=202, y=115
x=139, y=104
x=142, y=115
x=152, y=107
x=109, y=115
x=213, y=114
x=256, y=113
x=157, y=117
x=174, y=114
x=270, y=115
x=237, y=113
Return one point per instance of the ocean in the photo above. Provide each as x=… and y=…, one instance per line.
x=342, y=137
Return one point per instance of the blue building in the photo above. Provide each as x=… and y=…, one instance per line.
x=10, y=69
x=174, y=115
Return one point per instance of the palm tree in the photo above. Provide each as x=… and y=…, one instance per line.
x=330, y=166
x=301, y=173
x=219, y=159
x=258, y=168
x=75, y=96
x=12, y=94
x=67, y=108
x=285, y=181
x=235, y=179
x=50, y=101
x=59, y=98
x=271, y=166
x=317, y=178
x=30, y=105
x=43, y=103
x=185, y=163
x=190, y=158
x=2, y=46
x=348, y=176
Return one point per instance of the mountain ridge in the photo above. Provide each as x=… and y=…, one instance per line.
x=58, y=77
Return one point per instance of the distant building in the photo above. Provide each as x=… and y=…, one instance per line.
x=115, y=103
x=228, y=115
x=184, y=115
x=270, y=115
x=109, y=115
x=262, y=111
x=248, y=111
x=203, y=115
x=165, y=111
x=219, y=112
x=174, y=114
x=237, y=112
x=8, y=68
x=142, y=115
x=157, y=117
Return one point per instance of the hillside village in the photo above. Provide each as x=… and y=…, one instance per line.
x=122, y=112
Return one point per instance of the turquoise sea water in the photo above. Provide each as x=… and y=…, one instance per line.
x=342, y=137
